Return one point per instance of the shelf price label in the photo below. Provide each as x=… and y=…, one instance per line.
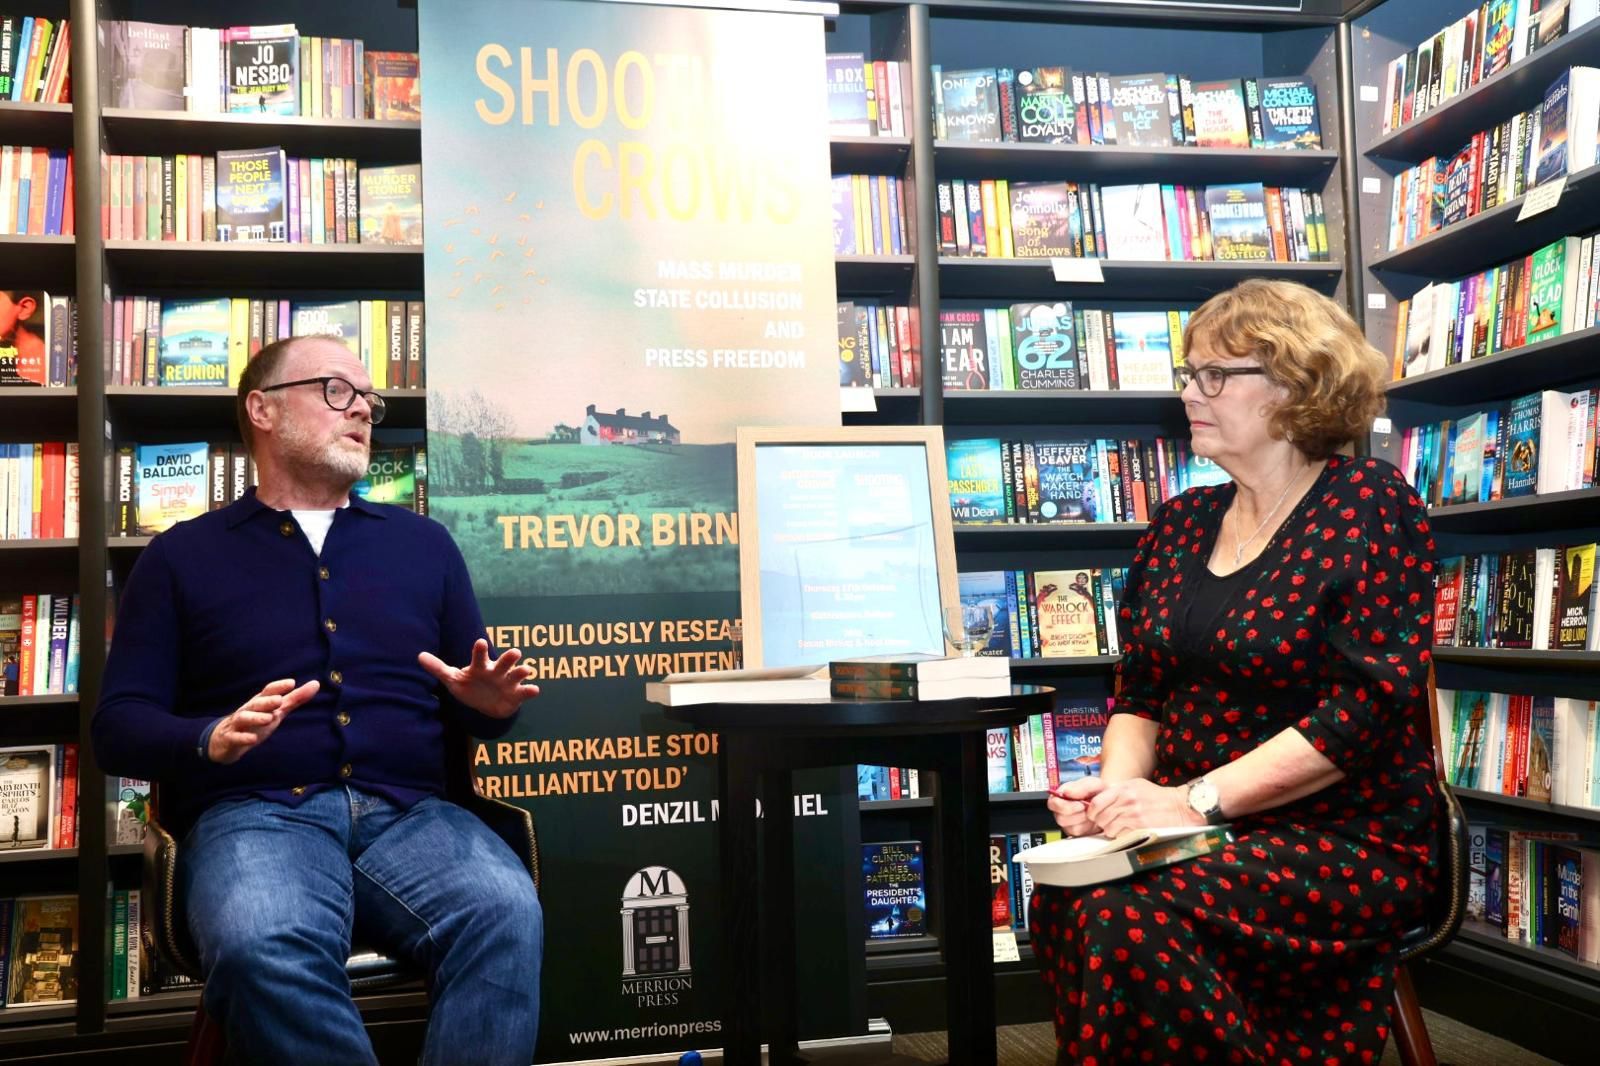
x=1082, y=271
x=1542, y=199
x=857, y=399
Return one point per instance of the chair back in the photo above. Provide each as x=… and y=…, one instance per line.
x=1448, y=905
x=163, y=931
x=1449, y=902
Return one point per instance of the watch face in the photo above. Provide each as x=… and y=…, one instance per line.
x=1203, y=797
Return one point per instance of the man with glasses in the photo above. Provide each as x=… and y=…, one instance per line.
x=284, y=667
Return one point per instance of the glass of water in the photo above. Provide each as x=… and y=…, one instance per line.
x=968, y=628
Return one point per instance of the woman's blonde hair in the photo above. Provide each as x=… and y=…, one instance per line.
x=1309, y=345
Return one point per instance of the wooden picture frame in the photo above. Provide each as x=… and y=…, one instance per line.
x=750, y=442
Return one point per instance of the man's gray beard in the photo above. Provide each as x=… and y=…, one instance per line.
x=324, y=462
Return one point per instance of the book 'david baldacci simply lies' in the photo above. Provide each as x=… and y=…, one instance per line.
x=1077, y=861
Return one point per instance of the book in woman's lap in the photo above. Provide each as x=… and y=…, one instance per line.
x=1077, y=861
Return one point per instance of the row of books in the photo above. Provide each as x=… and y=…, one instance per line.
x=1532, y=298
x=124, y=960
x=35, y=60
x=1010, y=883
x=1001, y=219
x=1026, y=482
x=1476, y=46
x=39, y=946
x=40, y=786
x=895, y=891
x=1498, y=164
x=160, y=485
x=878, y=346
x=1538, y=747
x=1538, y=598
x=42, y=346
x=38, y=491
x=259, y=194
x=876, y=783
x=868, y=98
x=869, y=215
x=1047, y=614
x=36, y=189
x=1032, y=346
x=39, y=642
x=1540, y=888
x=1047, y=750
x=1056, y=105
x=254, y=70
x=207, y=342
x=1542, y=443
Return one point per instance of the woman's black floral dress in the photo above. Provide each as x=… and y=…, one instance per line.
x=1281, y=948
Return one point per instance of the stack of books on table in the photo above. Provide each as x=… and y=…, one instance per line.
x=919, y=677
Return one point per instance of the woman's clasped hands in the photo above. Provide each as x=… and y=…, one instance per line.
x=1092, y=805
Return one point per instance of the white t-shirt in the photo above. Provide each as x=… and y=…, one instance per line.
x=315, y=525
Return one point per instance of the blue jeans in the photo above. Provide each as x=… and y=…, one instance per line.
x=274, y=895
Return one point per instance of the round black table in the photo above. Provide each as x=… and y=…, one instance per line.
x=760, y=747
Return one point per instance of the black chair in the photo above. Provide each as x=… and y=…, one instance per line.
x=164, y=932
x=1444, y=920
x=1444, y=916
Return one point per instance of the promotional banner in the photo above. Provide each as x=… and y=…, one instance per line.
x=628, y=254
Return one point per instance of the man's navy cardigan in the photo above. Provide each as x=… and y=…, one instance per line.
x=219, y=606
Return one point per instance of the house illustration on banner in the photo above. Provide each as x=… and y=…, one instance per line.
x=623, y=428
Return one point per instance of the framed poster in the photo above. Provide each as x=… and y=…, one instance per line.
x=845, y=545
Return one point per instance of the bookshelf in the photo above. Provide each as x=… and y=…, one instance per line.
x=1548, y=364
x=1481, y=241
x=1192, y=282
x=209, y=265
x=1532, y=993
x=96, y=417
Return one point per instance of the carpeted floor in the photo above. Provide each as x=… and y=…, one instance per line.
x=1035, y=1045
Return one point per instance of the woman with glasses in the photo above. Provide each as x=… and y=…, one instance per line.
x=1277, y=634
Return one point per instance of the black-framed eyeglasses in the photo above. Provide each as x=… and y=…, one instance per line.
x=1211, y=379
x=339, y=394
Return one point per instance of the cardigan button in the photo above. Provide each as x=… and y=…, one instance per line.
x=298, y=790
x=322, y=572
x=286, y=527
x=330, y=625
x=343, y=718
x=336, y=676
x=346, y=770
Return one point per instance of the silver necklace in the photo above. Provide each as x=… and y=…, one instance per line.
x=1239, y=546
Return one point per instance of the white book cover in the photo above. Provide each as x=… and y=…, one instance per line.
x=1134, y=223
x=1544, y=580
x=1446, y=298
x=1444, y=710
x=1449, y=79
x=1519, y=30
x=1573, y=722
x=27, y=792
x=1554, y=448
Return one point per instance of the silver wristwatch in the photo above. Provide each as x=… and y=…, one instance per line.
x=1204, y=800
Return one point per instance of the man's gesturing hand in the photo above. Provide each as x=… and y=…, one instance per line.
x=257, y=719
x=494, y=689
